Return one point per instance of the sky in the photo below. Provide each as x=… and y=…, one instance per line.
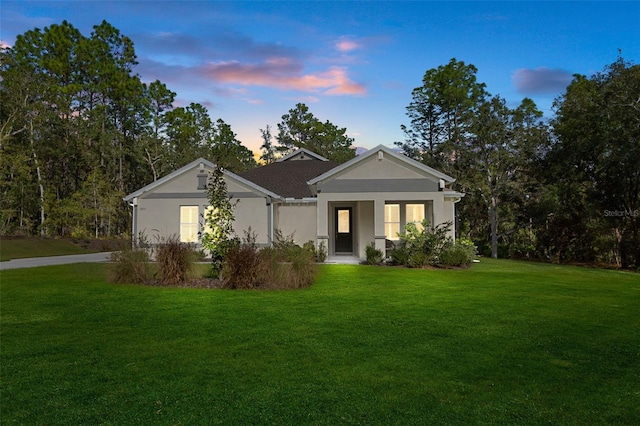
x=353, y=63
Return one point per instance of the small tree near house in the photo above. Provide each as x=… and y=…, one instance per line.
x=218, y=230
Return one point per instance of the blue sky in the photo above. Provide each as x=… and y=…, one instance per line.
x=353, y=63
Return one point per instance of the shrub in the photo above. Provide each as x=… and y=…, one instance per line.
x=399, y=255
x=373, y=255
x=283, y=266
x=243, y=268
x=419, y=247
x=299, y=272
x=175, y=261
x=319, y=254
x=459, y=254
x=130, y=266
x=285, y=246
x=417, y=259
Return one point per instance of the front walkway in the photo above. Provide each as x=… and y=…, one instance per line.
x=33, y=262
x=344, y=259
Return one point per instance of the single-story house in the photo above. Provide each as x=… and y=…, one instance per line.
x=342, y=208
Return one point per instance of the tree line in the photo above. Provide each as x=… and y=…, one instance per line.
x=79, y=130
x=565, y=190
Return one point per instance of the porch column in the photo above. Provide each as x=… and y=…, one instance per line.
x=322, y=223
x=378, y=225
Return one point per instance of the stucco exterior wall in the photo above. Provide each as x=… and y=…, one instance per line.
x=297, y=218
x=158, y=210
x=254, y=213
x=387, y=168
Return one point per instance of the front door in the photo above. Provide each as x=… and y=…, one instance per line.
x=344, y=230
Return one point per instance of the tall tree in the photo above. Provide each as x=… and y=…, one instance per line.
x=496, y=154
x=228, y=152
x=598, y=144
x=301, y=129
x=441, y=113
x=70, y=104
x=160, y=102
x=189, y=132
x=268, y=155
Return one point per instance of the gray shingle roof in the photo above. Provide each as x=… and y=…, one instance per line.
x=288, y=178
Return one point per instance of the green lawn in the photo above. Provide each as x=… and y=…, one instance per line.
x=501, y=343
x=37, y=247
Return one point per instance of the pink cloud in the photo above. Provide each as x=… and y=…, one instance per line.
x=305, y=99
x=4, y=45
x=284, y=74
x=347, y=45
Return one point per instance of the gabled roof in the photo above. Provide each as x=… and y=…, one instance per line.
x=192, y=165
x=289, y=178
x=301, y=151
x=386, y=151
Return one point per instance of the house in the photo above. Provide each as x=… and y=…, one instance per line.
x=340, y=207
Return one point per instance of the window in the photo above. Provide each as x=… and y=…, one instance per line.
x=189, y=224
x=397, y=215
x=343, y=221
x=202, y=181
x=392, y=220
x=415, y=214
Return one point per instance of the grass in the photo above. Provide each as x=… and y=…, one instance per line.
x=37, y=247
x=501, y=343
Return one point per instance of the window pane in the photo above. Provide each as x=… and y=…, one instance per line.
x=391, y=230
x=392, y=213
x=415, y=213
x=189, y=224
x=343, y=221
x=392, y=221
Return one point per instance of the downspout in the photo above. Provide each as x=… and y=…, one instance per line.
x=270, y=221
x=134, y=222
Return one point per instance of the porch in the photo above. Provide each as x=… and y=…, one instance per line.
x=346, y=227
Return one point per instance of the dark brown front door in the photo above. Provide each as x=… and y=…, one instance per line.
x=344, y=229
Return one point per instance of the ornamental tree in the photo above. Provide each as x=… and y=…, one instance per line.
x=218, y=235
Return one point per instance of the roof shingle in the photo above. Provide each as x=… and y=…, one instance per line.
x=288, y=178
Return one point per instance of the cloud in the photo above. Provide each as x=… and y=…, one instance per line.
x=541, y=80
x=167, y=46
x=4, y=45
x=347, y=45
x=304, y=99
x=285, y=74
x=230, y=63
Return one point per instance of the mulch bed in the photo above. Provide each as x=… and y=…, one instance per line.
x=96, y=244
x=211, y=283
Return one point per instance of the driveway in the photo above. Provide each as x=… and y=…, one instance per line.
x=55, y=260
